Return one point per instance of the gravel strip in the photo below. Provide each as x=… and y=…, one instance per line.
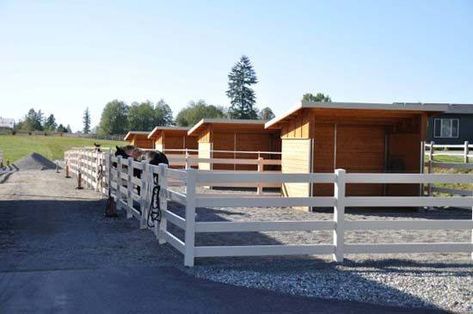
x=437, y=280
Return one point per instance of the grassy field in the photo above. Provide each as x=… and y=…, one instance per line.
x=15, y=147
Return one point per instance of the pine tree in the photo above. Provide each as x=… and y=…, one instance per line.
x=86, y=120
x=242, y=96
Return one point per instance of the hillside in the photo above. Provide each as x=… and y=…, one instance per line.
x=15, y=147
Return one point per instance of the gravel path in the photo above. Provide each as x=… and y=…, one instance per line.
x=429, y=281
x=433, y=280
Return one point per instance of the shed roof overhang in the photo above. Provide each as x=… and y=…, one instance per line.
x=353, y=106
x=132, y=134
x=171, y=129
x=235, y=123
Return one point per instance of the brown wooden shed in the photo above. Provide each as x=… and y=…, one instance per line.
x=139, y=139
x=172, y=138
x=216, y=135
x=358, y=137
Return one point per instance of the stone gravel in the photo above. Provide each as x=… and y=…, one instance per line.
x=434, y=280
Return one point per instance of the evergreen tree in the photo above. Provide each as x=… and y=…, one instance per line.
x=86, y=120
x=50, y=123
x=61, y=129
x=242, y=96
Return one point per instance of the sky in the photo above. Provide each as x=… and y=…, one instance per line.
x=64, y=56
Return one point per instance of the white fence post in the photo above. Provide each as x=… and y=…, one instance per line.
x=163, y=203
x=189, y=238
x=466, y=151
x=260, y=170
x=129, y=187
x=339, y=215
x=429, y=166
x=118, y=193
x=187, y=166
x=144, y=206
x=108, y=165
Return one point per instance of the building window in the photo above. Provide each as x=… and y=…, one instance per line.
x=446, y=128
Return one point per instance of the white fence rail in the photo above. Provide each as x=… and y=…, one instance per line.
x=463, y=151
x=124, y=182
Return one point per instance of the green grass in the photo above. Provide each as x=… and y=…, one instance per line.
x=15, y=147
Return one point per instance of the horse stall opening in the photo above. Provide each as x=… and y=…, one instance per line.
x=172, y=140
x=139, y=139
x=235, y=139
x=358, y=137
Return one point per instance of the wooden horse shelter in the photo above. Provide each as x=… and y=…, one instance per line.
x=236, y=136
x=139, y=139
x=358, y=137
x=172, y=138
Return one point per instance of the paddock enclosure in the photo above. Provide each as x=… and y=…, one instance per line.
x=357, y=137
x=222, y=139
x=184, y=199
x=173, y=139
x=139, y=139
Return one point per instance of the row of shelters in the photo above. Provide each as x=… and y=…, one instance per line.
x=318, y=137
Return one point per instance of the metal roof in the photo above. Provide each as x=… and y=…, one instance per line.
x=202, y=122
x=430, y=107
x=167, y=128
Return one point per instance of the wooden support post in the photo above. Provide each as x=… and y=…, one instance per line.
x=260, y=170
x=144, y=195
x=431, y=151
x=466, y=151
x=67, y=170
x=163, y=199
x=339, y=215
x=189, y=238
x=79, y=181
x=129, y=188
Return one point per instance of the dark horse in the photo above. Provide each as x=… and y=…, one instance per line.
x=154, y=158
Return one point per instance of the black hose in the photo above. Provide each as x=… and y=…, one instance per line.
x=154, y=212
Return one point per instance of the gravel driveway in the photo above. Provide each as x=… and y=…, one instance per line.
x=425, y=282
x=434, y=280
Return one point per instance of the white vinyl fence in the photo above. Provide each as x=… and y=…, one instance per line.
x=463, y=151
x=123, y=184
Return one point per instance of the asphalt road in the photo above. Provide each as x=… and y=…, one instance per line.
x=59, y=255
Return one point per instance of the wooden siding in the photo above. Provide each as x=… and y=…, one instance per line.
x=403, y=149
x=205, y=150
x=323, y=135
x=141, y=141
x=361, y=149
x=298, y=127
x=360, y=141
x=296, y=155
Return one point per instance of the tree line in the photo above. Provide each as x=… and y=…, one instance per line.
x=37, y=121
x=118, y=117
